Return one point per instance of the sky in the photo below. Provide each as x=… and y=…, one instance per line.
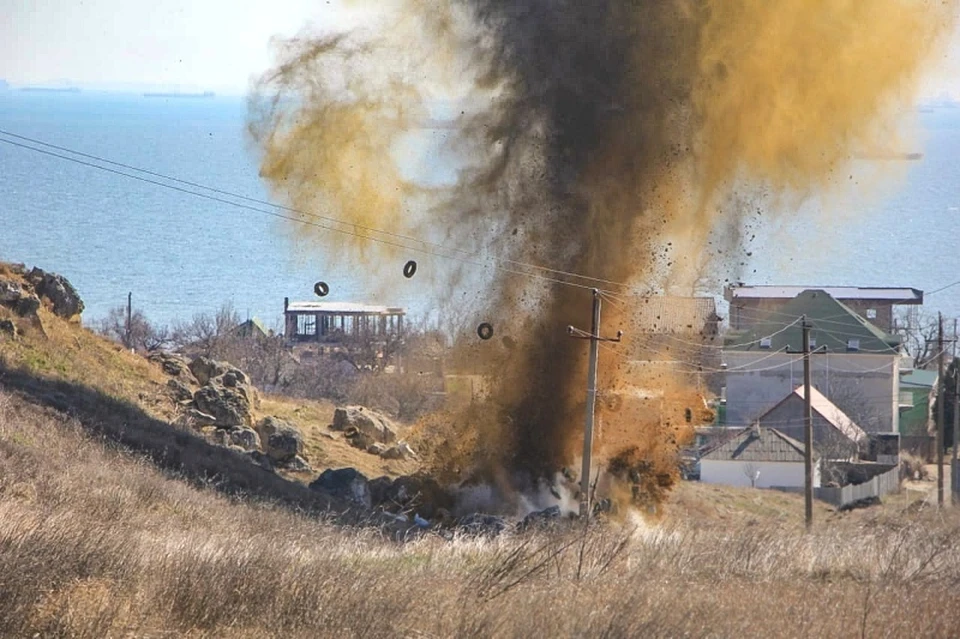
x=192, y=44
x=208, y=44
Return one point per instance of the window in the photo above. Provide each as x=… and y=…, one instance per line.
x=871, y=313
x=853, y=344
x=765, y=342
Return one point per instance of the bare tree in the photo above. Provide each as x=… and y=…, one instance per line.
x=206, y=334
x=137, y=333
x=918, y=331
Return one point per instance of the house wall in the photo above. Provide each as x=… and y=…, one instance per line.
x=732, y=473
x=757, y=380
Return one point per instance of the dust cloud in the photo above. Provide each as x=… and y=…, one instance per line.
x=604, y=139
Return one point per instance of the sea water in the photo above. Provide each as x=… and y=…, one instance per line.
x=180, y=254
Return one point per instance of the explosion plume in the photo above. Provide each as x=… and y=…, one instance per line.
x=592, y=134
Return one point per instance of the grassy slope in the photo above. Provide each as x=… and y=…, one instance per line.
x=114, y=523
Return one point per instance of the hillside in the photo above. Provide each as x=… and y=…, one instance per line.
x=114, y=521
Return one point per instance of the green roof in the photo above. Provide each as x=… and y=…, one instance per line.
x=918, y=378
x=834, y=325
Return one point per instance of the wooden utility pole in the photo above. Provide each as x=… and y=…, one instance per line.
x=956, y=420
x=129, y=319
x=807, y=429
x=595, y=340
x=941, y=401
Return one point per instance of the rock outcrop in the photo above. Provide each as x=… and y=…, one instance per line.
x=229, y=406
x=367, y=426
x=346, y=483
x=282, y=441
x=56, y=288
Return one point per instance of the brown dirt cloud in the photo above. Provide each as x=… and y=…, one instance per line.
x=594, y=133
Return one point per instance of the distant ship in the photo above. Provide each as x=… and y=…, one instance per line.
x=51, y=89
x=205, y=94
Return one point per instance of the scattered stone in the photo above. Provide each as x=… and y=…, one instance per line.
x=282, y=441
x=172, y=364
x=229, y=406
x=195, y=419
x=418, y=492
x=376, y=448
x=371, y=423
x=206, y=369
x=541, y=517
x=261, y=460
x=298, y=465
x=20, y=300
x=10, y=292
x=358, y=439
x=482, y=525
x=401, y=451
x=56, y=288
x=246, y=438
x=346, y=483
x=8, y=328
x=179, y=391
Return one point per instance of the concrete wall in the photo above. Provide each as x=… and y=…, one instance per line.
x=733, y=473
x=757, y=380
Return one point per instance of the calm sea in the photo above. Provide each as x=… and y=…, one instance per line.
x=180, y=255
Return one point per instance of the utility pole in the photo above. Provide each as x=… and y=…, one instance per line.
x=941, y=400
x=956, y=420
x=807, y=429
x=595, y=340
x=129, y=318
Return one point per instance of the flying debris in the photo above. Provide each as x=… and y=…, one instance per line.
x=321, y=289
x=485, y=330
x=410, y=269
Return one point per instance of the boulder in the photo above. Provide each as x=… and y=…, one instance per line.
x=173, y=364
x=56, y=288
x=195, y=419
x=378, y=489
x=282, y=441
x=179, y=391
x=358, y=439
x=19, y=299
x=401, y=451
x=9, y=329
x=245, y=438
x=371, y=423
x=376, y=448
x=419, y=492
x=482, y=525
x=541, y=517
x=207, y=370
x=229, y=406
x=261, y=460
x=298, y=465
x=346, y=483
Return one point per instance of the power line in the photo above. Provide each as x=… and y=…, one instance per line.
x=368, y=229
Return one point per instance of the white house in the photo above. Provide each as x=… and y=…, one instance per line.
x=758, y=457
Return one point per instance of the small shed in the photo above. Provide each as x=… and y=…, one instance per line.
x=758, y=457
x=332, y=322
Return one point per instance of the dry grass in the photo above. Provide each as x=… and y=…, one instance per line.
x=97, y=542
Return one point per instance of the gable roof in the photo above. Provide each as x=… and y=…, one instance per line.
x=834, y=324
x=758, y=444
x=822, y=406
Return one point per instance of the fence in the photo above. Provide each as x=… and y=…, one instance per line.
x=879, y=485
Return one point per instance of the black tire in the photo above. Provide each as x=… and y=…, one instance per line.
x=321, y=289
x=410, y=269
x=485, y=330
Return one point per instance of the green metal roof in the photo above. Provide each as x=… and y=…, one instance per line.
x=918, y=378
x=834, y=325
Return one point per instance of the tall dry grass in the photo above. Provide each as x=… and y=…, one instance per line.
x=96, y=542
